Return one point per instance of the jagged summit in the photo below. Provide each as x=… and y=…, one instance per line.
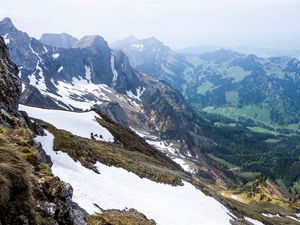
x=62, y=40
x=91, y=41
x=7, y=24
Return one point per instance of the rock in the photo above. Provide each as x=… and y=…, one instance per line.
x=65, y=192
x=114, y=111
x=78, y=214
x=46, y=159
x=33, y=97
x=47, y=209
x=22, y=220
x=58, y=40
x=10, y=85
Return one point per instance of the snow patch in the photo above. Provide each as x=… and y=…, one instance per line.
x=116, y=188
x=55, y=55
x=293, y=218
x=183, y=164
x=162, y=146
x=80, y=124
x=270, y=215
x=115, y=73
x=88, y=73
x=40, y=82
x=139, y=92
x=6, y=40
x=255, y=222
x=60, y=69
x=45, y=49
x=23, y=87
x=138, y=47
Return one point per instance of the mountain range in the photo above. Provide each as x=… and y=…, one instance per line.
x=141, y=111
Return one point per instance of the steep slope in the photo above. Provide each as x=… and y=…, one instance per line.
x=62, y=40
x=152, y=57
x=10, y=85
x=30, y=194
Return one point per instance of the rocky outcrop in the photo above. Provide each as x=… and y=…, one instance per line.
x=114, y=111
x=60, y=208
x=33, y=97
x=10, y=85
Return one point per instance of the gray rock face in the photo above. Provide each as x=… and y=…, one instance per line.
x=152, y=57
x=114, y=111
x=62, y=40
x=32, y=96
x=10, y=85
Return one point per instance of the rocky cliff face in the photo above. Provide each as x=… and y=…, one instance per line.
x=28, y=194
x=10, y=85
x=153, y=57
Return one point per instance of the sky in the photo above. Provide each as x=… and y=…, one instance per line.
x=178, y=23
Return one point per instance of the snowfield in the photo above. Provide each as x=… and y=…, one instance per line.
x=116, y=188
x=78, y=123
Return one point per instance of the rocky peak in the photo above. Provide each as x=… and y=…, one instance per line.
x=62, y=40
x=7, y=24
x=91, y=41
x=10, y=85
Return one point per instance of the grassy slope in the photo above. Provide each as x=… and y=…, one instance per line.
x=118, y=217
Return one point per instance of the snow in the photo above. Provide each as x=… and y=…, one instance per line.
x=166, y=148
x=162, y=146
x=55, y=55
x=270, y=215
x=116, y=188
x=115, y=73
x=78, y=123
x=183, y=164
x=88, y=73
x=255, y=222
x=80, y=87
x=60, y=69
x=23, y=87
x=38, y=83
x=138, y=47
x=138, y=95
x=6, y=40
x=293, y=218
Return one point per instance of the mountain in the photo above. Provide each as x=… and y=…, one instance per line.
x=37, y=158
x=90, y=74
x=10, y=84
x=125, y=41
x=197, y=50
x=168, y=153
x=62, y=40
x=264, y=89
x=152, y=57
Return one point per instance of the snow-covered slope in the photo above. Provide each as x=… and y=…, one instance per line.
x=116, y=188
x=78, y=123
